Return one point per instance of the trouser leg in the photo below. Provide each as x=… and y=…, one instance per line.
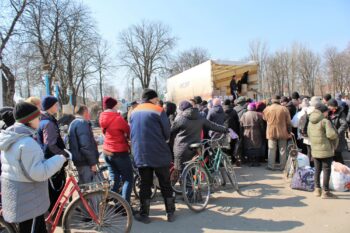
x=272, y=153
x=318, y=168
x=326, y=168
x=282, y=144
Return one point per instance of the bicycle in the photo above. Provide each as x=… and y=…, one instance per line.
x=95, y=209
x=203, y=173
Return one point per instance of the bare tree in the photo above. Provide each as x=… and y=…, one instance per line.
x=309, y=69
x=188, y=59
x=10, y=14
x=259, y=51
x=145, y=48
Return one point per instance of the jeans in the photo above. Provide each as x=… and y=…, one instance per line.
x=163, y=175
x=85, y=174
x=325, y=166
x=120, y=169
x=26, y=226
x=282, y=145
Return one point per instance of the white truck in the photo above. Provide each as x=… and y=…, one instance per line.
x=212, y=79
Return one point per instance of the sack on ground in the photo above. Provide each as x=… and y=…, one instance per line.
x=303, y=160
x=303, y=179
x=340, y=178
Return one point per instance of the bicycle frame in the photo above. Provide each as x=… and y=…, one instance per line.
x=72, y=186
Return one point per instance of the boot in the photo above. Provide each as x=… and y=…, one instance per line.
x=328, y=195
x=318, y=192
x=170, y=208
x=143, y=215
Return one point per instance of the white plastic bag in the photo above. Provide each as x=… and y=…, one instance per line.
x=303, y=160
x=339, y=181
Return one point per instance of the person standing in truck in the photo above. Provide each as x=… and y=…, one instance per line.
x=233, y=87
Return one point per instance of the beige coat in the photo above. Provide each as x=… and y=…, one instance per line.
x=278, y=122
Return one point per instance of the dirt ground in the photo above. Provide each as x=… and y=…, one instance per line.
x=268, y=205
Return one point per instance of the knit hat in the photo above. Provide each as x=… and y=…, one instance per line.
x=109, y=102
x=204, y=103
x=185, y=105
x=227, y=102
x=260, y=106
x=321, y=107
x=332, y=103
x=198, y=99
x=315, y=100
x=48, y=101
x=7, y=117
x=295, y=95
x=25, y=112
x=149, y=94
x=252, y=107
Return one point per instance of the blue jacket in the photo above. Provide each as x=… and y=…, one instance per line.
x=82, y=143
x=150, y=129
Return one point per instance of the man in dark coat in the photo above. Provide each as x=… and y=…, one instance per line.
x=187, y=130
x=150, y=131
x=233, y=87
x=216, y=114
x=83, y=146
x=338, y=118
x=50, y=140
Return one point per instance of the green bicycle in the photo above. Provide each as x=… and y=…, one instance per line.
x=207, y=171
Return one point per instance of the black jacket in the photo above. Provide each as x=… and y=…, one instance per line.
x=82, y=143
x=339, y=122
x=231, y=119
x=217, y=115
x=233, y=86
x=187, y=130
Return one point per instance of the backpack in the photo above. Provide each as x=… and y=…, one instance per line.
x=303, y=179
x=303, y=124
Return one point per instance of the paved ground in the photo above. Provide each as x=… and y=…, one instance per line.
x=268, y=205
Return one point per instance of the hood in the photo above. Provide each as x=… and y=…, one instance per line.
x=191, y=114
x=12, y=134
x=218, y=109
x=107, y=117
x=316, y=116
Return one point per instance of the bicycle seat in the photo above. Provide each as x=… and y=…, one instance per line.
x=195, y=145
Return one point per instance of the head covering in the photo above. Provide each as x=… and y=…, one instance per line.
x=315, y=100
x=284, y=99
x=149, y=94
x=332, y=103
x=241, y=100
x=252, y=107
x=227, y=102
x=7, y=117
x=204, y=103
x=260, y=106
x=25, y=112
x=109, y=102
x=276, y=99
x=295, y=95
x=305, y=103
x=48, y=101
x=321, y=107
x=327, y=97
x=217, y=102
x=185, y=105
x=198, y=99
x=338, y=96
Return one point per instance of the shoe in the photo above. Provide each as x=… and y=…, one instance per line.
x=328, y=195
x=318, y=192
x=143, y=215
x=170, y=208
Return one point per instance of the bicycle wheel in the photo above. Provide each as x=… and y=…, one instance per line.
x=230, y=172
x=137, y=184
x=6, y=227
x=116, y=216
x=175, y=184
x=195, y=187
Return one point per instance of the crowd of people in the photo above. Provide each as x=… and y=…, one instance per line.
x=157, y=134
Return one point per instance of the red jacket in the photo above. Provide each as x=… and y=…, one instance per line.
x=116, y=131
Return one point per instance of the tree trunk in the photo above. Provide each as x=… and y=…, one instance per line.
x=8, y=86
x=101, y=88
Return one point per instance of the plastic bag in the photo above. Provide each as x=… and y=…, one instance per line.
x=340, y=178
x=303, y=179
x=303, y=160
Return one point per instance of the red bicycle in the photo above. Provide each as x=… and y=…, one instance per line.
x=94, y=209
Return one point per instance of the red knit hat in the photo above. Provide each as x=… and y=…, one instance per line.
x=109, y=102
